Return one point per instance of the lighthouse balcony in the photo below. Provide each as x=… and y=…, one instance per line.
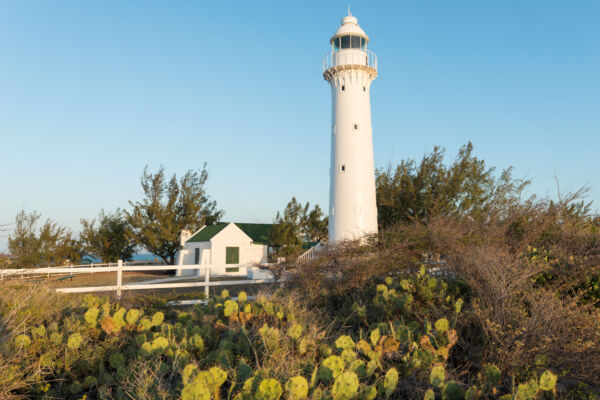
x=340, y=60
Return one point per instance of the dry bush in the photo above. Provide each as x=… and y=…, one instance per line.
x=522, y=266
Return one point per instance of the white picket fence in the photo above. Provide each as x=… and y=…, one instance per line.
x=258, y=276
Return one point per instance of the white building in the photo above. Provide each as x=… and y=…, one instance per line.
x=227, y=248
x=350, y=68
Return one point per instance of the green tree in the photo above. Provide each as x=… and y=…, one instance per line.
x=169, y=206
x=467, y=187
x=296, y=225
x=50, y=244
x=108, y=240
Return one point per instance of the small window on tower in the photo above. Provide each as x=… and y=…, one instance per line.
x=343, y=168
x=364, y=88
x=355, y=126
x=343, y=88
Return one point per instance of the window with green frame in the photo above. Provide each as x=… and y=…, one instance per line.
x=232, y=255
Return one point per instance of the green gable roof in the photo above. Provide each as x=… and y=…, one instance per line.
x=208, y=232
x=259, y=233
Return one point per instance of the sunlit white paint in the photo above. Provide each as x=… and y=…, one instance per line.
x=352, y=206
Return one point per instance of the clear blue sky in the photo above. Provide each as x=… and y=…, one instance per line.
x=92, y=91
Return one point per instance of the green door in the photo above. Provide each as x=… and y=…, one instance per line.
x=232, y=255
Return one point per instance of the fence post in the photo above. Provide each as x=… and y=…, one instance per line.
x=119, y=277
x=206, y=279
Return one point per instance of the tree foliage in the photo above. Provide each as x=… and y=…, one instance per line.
x=169, y=206
x=108, y=240
x=48, y=244
x=467, y=187
x=298, y=224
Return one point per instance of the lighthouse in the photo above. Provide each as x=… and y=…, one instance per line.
x=350, y=68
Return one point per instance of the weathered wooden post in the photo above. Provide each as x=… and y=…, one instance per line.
x=119, y=277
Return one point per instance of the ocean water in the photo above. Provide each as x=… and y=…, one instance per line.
x=136, y=257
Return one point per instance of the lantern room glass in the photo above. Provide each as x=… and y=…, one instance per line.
x=348, y=42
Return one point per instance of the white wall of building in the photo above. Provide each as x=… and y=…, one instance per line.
x=213, y=252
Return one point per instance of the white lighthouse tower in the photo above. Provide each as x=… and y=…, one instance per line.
x=350, y=68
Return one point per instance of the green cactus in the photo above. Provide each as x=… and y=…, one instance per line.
x=56, y=337
x=473, y=393
x=224, y=293
x=345, y=342
x=371, y=367
x=295, y=331
x=22, y=341
x=390, y=381
x=452, y=391
x=91, y=316
x=269, y=389
x=145, y=324
x=280, y=314
x=458, y=305
x=157, y=318
x=39, y=332
x=437, y=376
x=230, y=308
x=242, y=296
x=442, y=325
x=331, y=368
x=297, y=388
x=348, y=356
x=547, y=381
x=116, y=360
x=527, y=391
x=359, y=368
x=492, y=374
x=195, y=391
x=248, y=308
x=188, y=373
x=429, y=395
x=302, y=346
x=375, y=336
x=74, y=341
x=219, y=376
x=159, y=344
x=345, y=386
x=119, y=318
x=369, y=393
x=89, y=381
x=132, y=316
x=196, y=343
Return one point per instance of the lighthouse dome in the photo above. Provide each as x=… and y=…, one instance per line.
x=350, y=26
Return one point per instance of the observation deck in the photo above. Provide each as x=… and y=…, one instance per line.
x=337, y=61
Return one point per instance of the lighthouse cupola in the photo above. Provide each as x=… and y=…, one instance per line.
x=350, y=68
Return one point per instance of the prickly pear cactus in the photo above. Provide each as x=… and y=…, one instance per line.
x=242, y=296
x=437, y=376
x=116, y=360
x=547, y=381
x=369, y=393
x=230, y=308
x=375, y=335
x=295, y=331
x=74, y=341
x=331, y=368
x=195, y=391
x=452, y=391
x=157, y=318
x=345, y=342
x=269, y=389
x=442, y=325
x=219, y=376
x=133, y=316
x=528, y=390
x=188, y=373
x=390, y=381
x=297, y=388
x=196, y=343
x=345, y=386
x=91, y=316
x=22, y=341
x=492, y=374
